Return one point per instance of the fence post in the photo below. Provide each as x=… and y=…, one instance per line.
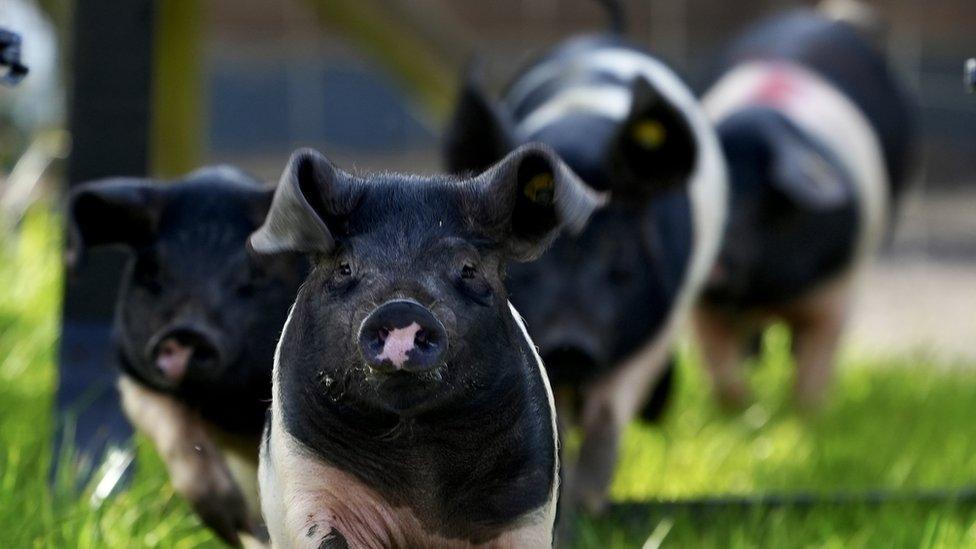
x=109, y=123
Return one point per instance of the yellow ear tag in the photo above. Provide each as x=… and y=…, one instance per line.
x=649, y=134
x=540, y=189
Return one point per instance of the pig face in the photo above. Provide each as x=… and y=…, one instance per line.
x=194, y=309
x=405, y=310
x=593, y=299
x=793, y=216
x=402, y=361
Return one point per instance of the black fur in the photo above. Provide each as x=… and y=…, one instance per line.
x=596, y=298
x=468, y=446
x=608, y=290
x=777, y=246
x=189, y=261
x=479, y=453
x=790, y=226
x=333, y=540
x=849, y=61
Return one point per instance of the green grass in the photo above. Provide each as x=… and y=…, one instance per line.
x=901, y=424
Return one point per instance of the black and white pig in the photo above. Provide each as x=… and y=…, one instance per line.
x=410, y=407
x=817, y=134
x=605, y=305
x=195, y=326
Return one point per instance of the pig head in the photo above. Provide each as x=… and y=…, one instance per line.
x=195, y=312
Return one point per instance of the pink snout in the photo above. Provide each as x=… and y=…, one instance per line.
x=174, y=351
x=403, y=336
x=172, y=359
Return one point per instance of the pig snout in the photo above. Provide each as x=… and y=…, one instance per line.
x=402, y=336
x=174, y=350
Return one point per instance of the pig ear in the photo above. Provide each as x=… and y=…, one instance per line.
x=526, y=198
x=480, y=133
x=122, y=211
x=312, y=198
x=655, y=149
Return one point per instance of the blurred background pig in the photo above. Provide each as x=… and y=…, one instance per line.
x=605, y=305
x=410, y=407
x=195, y=326
x=818, y=136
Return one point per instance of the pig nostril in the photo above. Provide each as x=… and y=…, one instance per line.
x=197, y=347
x=168, y=348
x=402, y=336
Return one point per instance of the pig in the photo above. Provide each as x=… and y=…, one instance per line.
x=195, y=326
x=410, y=408
x=605, y=305
x=817, y=133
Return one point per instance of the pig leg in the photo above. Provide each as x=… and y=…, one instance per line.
x=721, y=346
x=817, y=327
x=565, y=401
x=591, y=477
x=196, y=468
x=607, y=408
x=241, y=455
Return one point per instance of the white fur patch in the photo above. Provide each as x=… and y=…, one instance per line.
x=273, y=502
x=610, y=101
x=817, y=107
x=554, y=490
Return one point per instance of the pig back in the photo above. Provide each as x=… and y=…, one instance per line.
x=841, y=55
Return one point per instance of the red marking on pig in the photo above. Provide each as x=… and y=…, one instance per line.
x=777, y=88
x=173, y=359
x=399, y=342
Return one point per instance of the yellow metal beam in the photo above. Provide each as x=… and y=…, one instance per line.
x=377, y=31
x=177, y=121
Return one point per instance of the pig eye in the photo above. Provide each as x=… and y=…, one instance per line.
x=341, y=279
x=473, y=285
